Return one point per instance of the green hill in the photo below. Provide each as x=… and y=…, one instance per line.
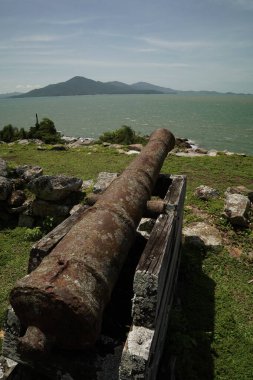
x=84, y=86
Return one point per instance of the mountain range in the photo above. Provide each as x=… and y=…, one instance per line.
x=9, y=95
x=84, y=86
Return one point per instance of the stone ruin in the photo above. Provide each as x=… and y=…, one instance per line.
x=27, y=196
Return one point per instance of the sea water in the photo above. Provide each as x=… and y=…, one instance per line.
x=222, y=122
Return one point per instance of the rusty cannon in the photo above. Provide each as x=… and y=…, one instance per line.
x=61, y=302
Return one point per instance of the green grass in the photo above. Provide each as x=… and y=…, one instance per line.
x=211, y=331
x=14, y=250
x=83, y=162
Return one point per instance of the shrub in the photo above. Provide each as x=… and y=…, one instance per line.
x=124, y=135
x=45, y=131
x=32, y=234
x=10, y=133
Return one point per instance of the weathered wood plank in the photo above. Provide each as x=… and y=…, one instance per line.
x=44, y=246
x=154, y=283
x=166, y=293
x=152, y=270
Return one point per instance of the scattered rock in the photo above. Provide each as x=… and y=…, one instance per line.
x=116, y=146
x=3, y=168
x=212, y=153
x=17, y=198
x=5, y=188
x=137, y=147
x=54, y=188
x=236, y=209
x=121, y=151
x=189, y=153
x=103, y=181
x=183, y=143
x=240, y=190
x=205, y=193
x=23, y=142
x=130, y=152
x=80, y=142
x=202, y=235
x=69, y=139
x=28, y=172
x=58, y=147
x=227, y=153
x=41, y=147
x=87, y=184
x=201, y=150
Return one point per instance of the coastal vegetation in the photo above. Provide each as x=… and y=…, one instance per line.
x=211, y=329
x=44, y=131
x=124, y=135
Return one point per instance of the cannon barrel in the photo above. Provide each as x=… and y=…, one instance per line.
x=62, y=301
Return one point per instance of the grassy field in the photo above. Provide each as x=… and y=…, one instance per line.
x=211, y=331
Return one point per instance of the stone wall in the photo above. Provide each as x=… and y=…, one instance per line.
x=27, y=196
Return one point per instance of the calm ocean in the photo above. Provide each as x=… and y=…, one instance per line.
x=211, y=121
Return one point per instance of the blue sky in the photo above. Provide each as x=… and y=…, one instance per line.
x=182, y=44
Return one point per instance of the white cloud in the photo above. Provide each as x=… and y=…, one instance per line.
x=70, y=21
x=27, y=86
x=175, y=45
x=38, y=38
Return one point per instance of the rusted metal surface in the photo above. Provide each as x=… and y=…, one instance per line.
x=66, y=295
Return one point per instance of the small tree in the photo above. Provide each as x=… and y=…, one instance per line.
x=22, y=134
x=45, y=131
x=9, y=133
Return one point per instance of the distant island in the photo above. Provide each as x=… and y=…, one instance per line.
x=10, y=95
x=83, y=86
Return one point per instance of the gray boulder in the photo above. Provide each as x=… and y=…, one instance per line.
x=137, y=147
x=5, y=188
x=205, y=193
x=3, y=168
x=236, y=209
x=240, y=190
x=103, y=181
x=202, y=235
x=17, y=198
x=54, y=188
x=28, y=172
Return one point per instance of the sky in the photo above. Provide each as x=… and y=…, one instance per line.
x=181, y=44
